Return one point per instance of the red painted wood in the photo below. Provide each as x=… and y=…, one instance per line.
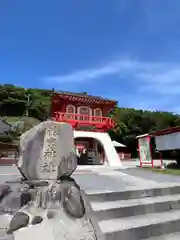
x=100, y=123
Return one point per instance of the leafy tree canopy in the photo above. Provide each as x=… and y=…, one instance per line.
x=14, y=102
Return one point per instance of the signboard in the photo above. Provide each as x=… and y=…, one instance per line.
x=144, y=151
x=168, y=142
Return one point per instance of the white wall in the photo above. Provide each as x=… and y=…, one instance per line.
x=104, y=138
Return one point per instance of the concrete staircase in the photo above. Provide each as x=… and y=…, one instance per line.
x=149, y=214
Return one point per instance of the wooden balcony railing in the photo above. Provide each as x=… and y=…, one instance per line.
x=80, y=119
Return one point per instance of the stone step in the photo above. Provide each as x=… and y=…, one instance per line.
x=7, y=237
x=132, y=207
x=171, y=236
x=101, y=196
x=141, y=226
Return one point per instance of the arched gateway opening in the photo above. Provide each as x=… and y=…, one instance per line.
x=89, y=151
x=89, y=117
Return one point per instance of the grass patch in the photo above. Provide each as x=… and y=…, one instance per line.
x=163, y=171
x=23, y=119
x=11, y=119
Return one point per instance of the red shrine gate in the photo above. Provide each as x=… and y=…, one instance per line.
x=88, y=116
x=82, y=111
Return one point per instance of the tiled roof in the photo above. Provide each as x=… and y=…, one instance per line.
x=84, y=95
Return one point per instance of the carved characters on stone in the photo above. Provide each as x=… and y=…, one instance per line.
x=49, y=198
x=47, y=151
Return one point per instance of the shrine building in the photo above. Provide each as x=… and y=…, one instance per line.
x=89, y=117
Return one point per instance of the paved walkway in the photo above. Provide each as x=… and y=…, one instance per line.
x=146, y=174
x=103, y=178
x=108, y=179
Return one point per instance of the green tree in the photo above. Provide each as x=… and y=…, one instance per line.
x=129, y=122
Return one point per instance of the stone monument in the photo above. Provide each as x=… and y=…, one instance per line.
x=47, y=202
x=47, y=151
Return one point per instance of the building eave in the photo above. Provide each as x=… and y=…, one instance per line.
x=85, y=98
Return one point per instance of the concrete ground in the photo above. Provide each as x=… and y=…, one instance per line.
x=8, y=173
x=144, y=174
x=106, y=180
x=104, y=177
x=124, y=182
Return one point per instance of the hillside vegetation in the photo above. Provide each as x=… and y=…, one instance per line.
x=130, y=122
x=14, y=101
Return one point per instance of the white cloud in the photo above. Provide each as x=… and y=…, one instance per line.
x=166, y=81
x=147, y=72
x=111, y=68
x=149, y=78
x=147, y=102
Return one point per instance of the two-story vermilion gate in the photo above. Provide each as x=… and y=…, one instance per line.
x=88, y=116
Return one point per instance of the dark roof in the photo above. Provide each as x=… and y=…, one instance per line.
x=83, y=94
x=165, y=131
x=161, y=132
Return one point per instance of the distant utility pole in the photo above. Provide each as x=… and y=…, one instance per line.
x=1, y=104
x=28, y=103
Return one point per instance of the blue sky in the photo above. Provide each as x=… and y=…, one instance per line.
x=128, y=50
